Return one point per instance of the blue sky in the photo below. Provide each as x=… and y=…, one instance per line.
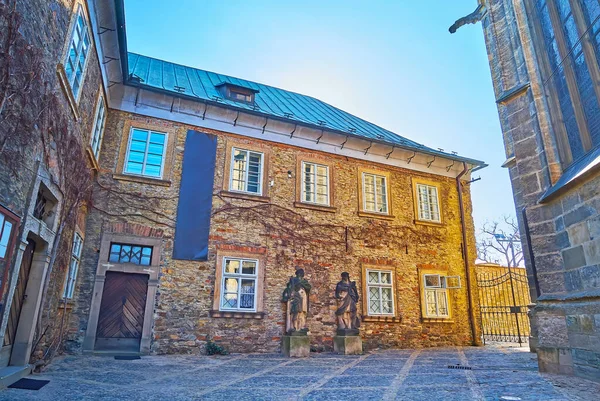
x=390, y=62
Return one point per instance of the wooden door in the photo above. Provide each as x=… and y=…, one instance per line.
x=121, y=316
x=19, y=295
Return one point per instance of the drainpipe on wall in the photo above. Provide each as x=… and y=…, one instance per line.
x=465, y=252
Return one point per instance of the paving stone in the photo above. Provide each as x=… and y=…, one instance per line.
x=360, y=381
x=446, y=393
x=342, y=395
x=238, y=394
x=497, y=371
x=273, y=381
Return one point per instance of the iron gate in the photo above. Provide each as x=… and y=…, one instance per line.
x=503, y=298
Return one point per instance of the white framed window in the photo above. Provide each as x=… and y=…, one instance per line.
x=436, y=294
x=380, y=292
x=246, y=171
x=315, y=183
x=77, y=54
x=98, y=130
x=146, y=153
x=428, y=203
x=239, y=283
x=374, y=193
x=5, y=231
x=71, y=277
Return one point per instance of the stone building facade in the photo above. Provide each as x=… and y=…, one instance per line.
x=207, y=193
x=281, y=232
x=544, y=64
x=44, y=94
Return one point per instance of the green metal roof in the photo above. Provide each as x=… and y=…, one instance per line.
x=269, y=101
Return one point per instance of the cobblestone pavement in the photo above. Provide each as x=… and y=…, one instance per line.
x=497, y=374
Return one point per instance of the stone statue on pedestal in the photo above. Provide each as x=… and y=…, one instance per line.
x=296, y=295
x=346, y=295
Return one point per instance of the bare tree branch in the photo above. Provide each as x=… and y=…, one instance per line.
x=498, y=240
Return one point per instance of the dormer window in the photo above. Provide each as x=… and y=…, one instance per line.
x=237, y=93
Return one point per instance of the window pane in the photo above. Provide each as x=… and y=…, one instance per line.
x=374, y=300
x=442, y=303
x=230, y=300
x=558, y=79
x=386, y=277
x=134, y=168
x=248, y=267
x=432, y=281
x=136, y=157
x=157, y=138
x=154, y=160
x=231, y=285
x=232, y=266
x=5, y=237
x=386, y=300
x=151, y=170
x=140, y=135
x=247, y=294
x=430, y=303
x=137, y=146
x=156, y=149
x=373, y=277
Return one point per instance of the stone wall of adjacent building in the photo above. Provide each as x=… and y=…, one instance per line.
x=44, y=29
x=564, y=230
x=322, y=242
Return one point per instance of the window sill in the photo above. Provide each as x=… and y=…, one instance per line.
x=575, y=174
x=69, y=303
x=66, y=88
x=373, y=215
x=143, y=180
x=322, y=208
x=382, y=319
x=246, y=196
x=92, y=158
x=436, y=320
x=429, y=223
x=236, y=315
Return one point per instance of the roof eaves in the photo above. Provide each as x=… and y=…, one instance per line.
x=421, y=149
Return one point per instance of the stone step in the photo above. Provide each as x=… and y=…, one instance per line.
x=10, y=374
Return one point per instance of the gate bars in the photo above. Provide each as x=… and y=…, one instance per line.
x=504, y=296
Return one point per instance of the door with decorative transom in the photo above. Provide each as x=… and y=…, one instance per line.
x=121, y=317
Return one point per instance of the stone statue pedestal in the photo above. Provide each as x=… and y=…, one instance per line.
x=296, y=345
x=347, y=344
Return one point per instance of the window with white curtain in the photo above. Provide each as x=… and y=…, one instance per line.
x=239, y=283
x=315, y=183
x=246, y=171
x=374, y=193
x=428, y=203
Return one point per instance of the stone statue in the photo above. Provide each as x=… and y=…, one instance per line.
x=296, y=295
x=347, y=297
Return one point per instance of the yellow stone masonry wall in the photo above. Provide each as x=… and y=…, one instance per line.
x=324, y=242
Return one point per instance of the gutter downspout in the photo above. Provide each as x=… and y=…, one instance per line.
x=465, y=253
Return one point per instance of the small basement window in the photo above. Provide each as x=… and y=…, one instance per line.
x=237, y=93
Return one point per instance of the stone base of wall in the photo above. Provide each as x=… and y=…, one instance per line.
x=569, y=338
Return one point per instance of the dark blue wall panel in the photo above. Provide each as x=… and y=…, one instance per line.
x=195, y=197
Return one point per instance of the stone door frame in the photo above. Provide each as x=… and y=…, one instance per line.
x=43, y=234
x=89, y=342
